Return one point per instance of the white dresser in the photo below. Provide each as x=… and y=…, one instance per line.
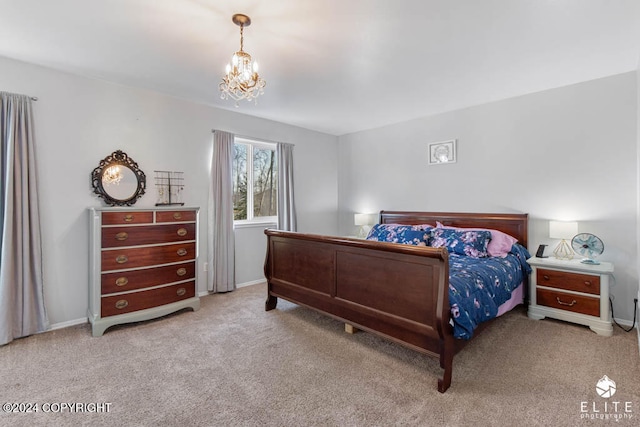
x=142, y=264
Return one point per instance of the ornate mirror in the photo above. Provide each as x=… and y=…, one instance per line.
x=118, y=180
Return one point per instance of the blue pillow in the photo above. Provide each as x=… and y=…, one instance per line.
x=472, y=243
x=406, y=234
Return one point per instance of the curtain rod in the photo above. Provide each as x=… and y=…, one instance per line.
x=33, y=98
x=254, y=138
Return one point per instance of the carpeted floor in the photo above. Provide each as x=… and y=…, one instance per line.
x=233, y=364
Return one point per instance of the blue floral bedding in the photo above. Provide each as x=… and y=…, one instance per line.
x=478, y=286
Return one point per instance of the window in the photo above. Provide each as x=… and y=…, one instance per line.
x=255, y=176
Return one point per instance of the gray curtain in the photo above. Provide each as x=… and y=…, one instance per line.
x=286, y=203
x=22, y=310
x=221, y=240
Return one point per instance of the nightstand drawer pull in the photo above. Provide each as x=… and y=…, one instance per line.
x=587, y=283
x=121, y=259
x=128, y=218
x=181, y=271
x=177, y=215
x=181, y=251
x=569, y=304
x=121, y=303
x=181, y=291
x=182, y=232
x=122, y=236
x=545, y=277
x=122, y=281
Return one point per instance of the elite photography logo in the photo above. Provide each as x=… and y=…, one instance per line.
x=603, y=407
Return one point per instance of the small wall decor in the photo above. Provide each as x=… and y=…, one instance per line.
x=118, y=180
x=442, y=152
x=169, y=186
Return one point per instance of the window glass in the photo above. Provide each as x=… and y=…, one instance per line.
x=240, y=181
x=255, y=175
x=264, y=182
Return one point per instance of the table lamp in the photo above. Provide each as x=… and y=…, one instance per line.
x=563, y=230
x=364, y=221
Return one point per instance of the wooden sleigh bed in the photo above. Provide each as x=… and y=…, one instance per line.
x=356, y=281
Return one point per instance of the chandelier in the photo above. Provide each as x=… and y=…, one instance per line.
x=242, y=80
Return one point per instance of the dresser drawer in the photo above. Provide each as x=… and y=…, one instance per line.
x=174, y=216
x=113, y=237
x=570, y=281
x=569, y=302
x=118, y=259
x=146, y=278
x=134, y=301
x=113, y=218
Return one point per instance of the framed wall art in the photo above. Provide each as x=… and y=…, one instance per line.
x=442, y=152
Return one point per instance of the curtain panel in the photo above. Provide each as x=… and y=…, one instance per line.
x=221, y=239
x=22, y=309
x=286, y=201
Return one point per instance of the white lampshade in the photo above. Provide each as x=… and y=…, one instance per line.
x=364, y=219
x=563, y=229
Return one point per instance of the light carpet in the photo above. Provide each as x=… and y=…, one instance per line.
x=233, y=364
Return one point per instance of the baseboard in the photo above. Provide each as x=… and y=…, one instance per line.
x=239, y=285
x=627, y=323
x=253, y=282
x=62, y=325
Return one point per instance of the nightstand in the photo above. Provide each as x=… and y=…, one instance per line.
x=571, y=291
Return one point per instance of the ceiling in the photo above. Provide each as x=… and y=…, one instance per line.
x=334, y=66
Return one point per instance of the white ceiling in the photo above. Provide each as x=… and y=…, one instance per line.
x=336, y=66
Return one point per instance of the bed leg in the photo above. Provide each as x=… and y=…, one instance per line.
x=350, y=329
x=271, y=303
x=446, y=363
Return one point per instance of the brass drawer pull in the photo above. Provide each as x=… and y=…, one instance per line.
x=568, y=304
x=122, y=281
x=181, y=271
x=121, y=259
x=122, y=236
x=181, y=291
x=587, y=283
x=121, y=303
x=182, y=232
x=181, y=251
x=177, y=215
x=545, y=277
x=128, y=218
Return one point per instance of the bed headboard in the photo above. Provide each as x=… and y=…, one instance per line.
x=512, y=224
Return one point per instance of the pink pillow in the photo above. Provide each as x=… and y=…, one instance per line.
x=500, y=244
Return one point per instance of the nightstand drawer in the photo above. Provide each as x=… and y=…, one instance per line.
x=567, y=280
x=569, y=302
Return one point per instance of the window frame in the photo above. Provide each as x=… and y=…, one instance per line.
x=252, y=221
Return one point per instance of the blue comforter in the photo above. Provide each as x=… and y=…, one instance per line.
x=478, y=286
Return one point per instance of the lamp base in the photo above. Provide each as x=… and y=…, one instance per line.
x=563, y=251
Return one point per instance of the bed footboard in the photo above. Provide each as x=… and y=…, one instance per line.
x=397, y=291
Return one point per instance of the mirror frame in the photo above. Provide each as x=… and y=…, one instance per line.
x=118, y=157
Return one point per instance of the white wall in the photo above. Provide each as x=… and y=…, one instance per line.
x=567, y=153
x=80, y=121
